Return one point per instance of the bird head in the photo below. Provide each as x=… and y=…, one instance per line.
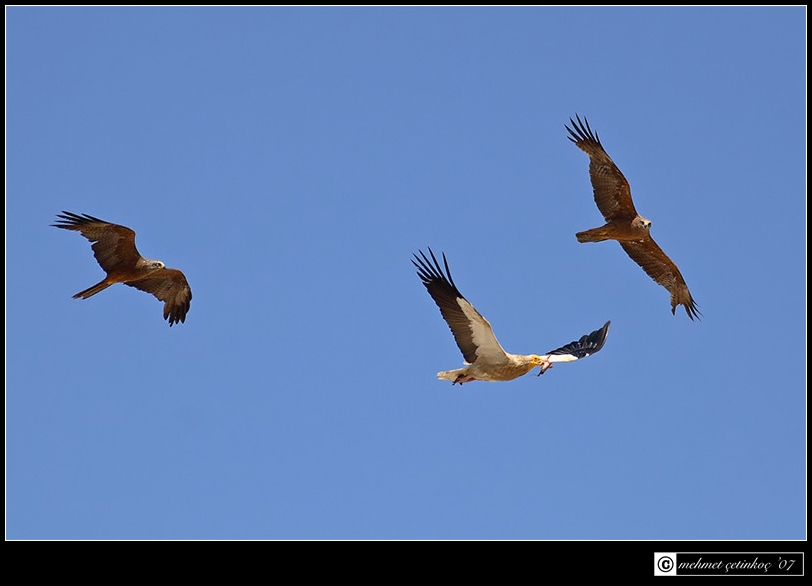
x=542, y=361
x=152, y=264
x=642, y=223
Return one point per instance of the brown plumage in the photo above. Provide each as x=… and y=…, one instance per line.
x=613, y=197
x=114, y=249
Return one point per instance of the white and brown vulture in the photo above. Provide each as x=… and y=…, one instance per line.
x=484, y=357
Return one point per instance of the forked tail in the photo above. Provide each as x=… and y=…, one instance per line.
x=593, y=235
x=90, y=291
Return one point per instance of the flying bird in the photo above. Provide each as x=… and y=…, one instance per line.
x=484, y=357
x=614, y=199
x=114, y=249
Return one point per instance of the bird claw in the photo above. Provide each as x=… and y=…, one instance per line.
x=544, y=368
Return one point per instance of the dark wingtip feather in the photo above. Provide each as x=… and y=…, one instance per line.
x=691, y=306
x=692, y=309
x=582, y=132
x=597, y=339
x=69, y=220
x=586, y=345
x=430, y=271
x=178, y=314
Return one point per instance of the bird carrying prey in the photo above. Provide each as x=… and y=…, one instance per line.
x=484, y=357
x=114, y=248
x=614, y=199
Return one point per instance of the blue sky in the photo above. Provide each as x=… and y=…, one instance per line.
x=291, y=160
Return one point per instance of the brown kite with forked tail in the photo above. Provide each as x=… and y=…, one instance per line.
x=114, y=249
x=614, y=199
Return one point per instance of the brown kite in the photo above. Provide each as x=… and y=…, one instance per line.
x=484, y=357
x=614, y=199
x=114, y=249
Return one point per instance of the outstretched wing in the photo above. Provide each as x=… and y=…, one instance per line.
x=662, y=269
x=171, y=287
x=113, y=245
x=610, y=188
x=585, y=346
x=472, y=332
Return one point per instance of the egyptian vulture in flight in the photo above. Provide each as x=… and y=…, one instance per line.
x=484, y=357
x=114, y=249
x=614, y=199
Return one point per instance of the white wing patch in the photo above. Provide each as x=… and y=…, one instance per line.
x=487, y=346
x=562, y=357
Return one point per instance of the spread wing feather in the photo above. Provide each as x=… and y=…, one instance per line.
x=583, y=347
x=610, y=188
x=171, y=287
x=472, y=332
x=113, y=245
x=662, y=269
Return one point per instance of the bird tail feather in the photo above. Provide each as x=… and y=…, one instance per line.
x=593, y=235
x=90, y=291
x=451, y=375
